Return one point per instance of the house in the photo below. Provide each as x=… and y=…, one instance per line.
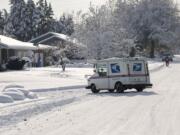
x=76, y=50
x=11, y=47
x=52, y=38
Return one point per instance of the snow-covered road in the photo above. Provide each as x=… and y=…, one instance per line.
x=153, y=112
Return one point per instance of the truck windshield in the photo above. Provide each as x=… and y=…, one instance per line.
x=102, y=69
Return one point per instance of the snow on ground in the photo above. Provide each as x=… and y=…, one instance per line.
x=50, y=78
x=49, y=83
x=155, y=111
x=155, y=65
x=42, y=78
x=11, y=93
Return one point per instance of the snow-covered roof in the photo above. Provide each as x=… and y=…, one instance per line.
x=10, y=43
x=52, y=35
x=45, y=47
x=48, y=36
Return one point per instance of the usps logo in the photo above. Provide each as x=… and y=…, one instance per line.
x=115, y=68
x=137, y=67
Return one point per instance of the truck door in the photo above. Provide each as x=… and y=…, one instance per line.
x=102, y=79
x=137, y=73
x=118, y=73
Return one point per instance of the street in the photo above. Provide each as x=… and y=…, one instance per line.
x=155, y=111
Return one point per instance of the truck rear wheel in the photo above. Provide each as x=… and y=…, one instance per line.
x=93, y=89
x=119, y=88
x=111, y=91
x=140, y=89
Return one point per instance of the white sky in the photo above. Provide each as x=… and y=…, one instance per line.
x=60, y=6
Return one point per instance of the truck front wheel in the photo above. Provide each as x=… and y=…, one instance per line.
x=140, y=89
x=93, y=89
x=119, y=87
x=111, y=90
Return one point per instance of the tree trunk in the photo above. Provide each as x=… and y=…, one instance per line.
x=132, y=52
x=152, y=50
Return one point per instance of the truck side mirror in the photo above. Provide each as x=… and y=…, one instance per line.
x=94, y=70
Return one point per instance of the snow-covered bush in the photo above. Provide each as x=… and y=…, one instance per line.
x=15, y=92
x=24, y=91
x=27, y=59
x=12, y=90
x=21, y=91
x=13, y=86
x=6, y=99
x=31, y=95
x=15, y=95
x=15, y=63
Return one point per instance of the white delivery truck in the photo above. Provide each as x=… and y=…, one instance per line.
x=119, y=74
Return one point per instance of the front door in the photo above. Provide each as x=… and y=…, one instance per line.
x=4, y=56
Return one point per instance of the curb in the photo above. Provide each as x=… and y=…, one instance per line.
x=59, y=88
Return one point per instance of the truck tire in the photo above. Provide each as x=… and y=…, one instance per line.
x=111, y=91
x=140, y=89
x=119, y=88
x=93, y=89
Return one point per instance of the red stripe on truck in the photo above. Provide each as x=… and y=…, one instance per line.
x=114, y=76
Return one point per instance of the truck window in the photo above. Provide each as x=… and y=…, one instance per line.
x=115, y=68
x=137, y=67
x=102, y=69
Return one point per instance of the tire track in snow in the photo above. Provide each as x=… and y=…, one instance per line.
x=14, y=113
x=38, y=108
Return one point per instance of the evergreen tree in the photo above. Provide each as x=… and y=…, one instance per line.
x=45, y=15
x=2, y=22
x=65, y=25
x=15, y=25
x=69, y=25
x=30, y=29
x=49, y=20
x=29, y=20
x=40, y=15
x=5, y=15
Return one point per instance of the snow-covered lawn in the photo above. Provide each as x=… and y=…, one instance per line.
x=45, y=78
